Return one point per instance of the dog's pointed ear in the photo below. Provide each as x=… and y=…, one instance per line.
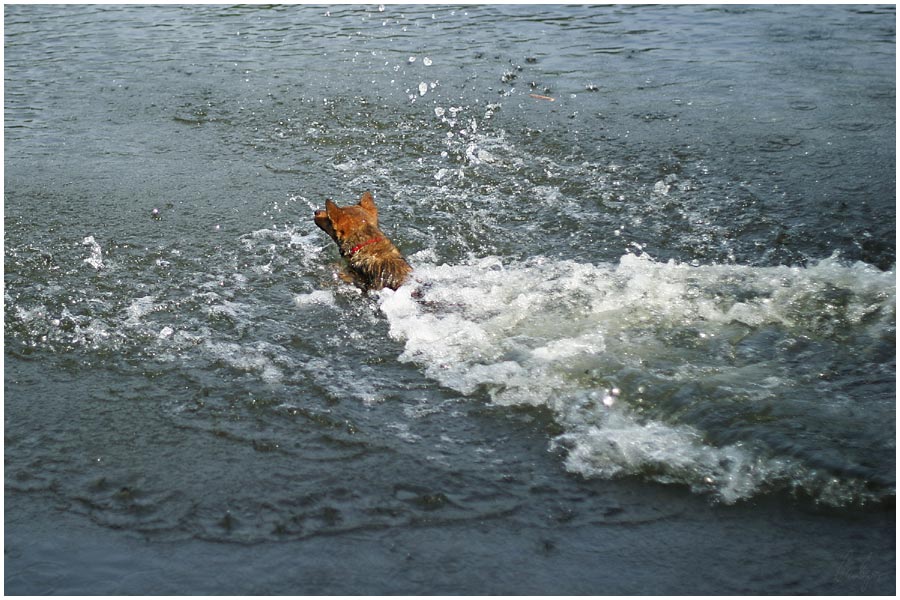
x=335, y=216
x=367, y=201
x=332, y=209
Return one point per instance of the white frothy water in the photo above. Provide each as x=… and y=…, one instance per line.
x=96, y=257
x=562, y=335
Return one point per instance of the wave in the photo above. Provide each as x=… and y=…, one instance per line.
x=732, y=380
x=707, y=376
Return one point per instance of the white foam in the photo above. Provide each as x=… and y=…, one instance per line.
x=315, y=298
x=252, y=358
x=623, y=445
x=138, y=308
x=96, y=257
x=547, y=333
x=234, y=311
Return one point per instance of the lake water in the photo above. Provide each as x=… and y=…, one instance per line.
x=649, y=345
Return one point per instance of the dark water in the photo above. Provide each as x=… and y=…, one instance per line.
x=649, y=348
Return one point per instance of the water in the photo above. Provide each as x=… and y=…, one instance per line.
x=654, y=313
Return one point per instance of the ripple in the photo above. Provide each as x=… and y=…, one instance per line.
x=125, y=501
x=656, y=116
x=856, y=126
x=779, y=144
x=802, y=105
x=827, y=164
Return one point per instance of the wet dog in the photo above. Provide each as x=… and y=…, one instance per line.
x=373, y=261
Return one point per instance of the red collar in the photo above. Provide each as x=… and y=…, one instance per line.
x=359, y=247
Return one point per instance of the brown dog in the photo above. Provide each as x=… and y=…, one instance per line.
x=374, y=262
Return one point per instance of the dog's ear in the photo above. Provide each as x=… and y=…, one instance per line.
x=368, y=203
x=336, y=217
x=333, y=210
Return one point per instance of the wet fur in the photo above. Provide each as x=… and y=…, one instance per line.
x=375, y=264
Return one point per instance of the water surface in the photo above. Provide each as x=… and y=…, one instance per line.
x=653, y=305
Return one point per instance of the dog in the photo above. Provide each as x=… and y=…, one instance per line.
x=373, y=261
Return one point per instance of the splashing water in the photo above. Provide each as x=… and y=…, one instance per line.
x=659, y=369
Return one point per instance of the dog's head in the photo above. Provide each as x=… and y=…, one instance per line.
x=343, y=222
